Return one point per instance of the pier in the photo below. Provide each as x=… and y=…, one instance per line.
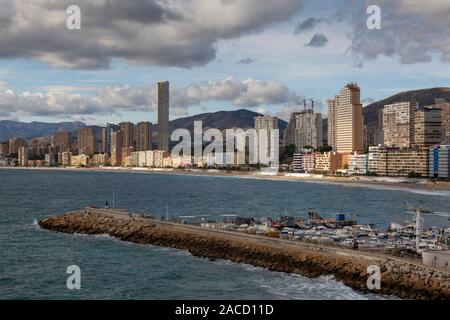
x=402, y=277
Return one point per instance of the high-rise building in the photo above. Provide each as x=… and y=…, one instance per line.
x=23, y=156
x=61, y=141
x=128, y=130
x=4, y=149
x=14, y=144
x=440, y=161
x=104, y=140
x=308, y=130
x=163, y=115
x=87, y=141
x=116, y=148
x=144, y=136
x=346, y=120
x=289, y=132
x=398, y=124
x=267, y=139
x=428, y=127
x=110, y=128
x=445, y=107
x=332, y=107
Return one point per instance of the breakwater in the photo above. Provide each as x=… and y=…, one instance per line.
x=398, y=277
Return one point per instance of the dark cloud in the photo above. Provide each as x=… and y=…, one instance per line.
x=246, y=61
x=163, y=33
x=318, y=40
x=412, y=31
x=308, y=24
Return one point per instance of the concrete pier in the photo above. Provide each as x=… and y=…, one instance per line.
x=400, y=277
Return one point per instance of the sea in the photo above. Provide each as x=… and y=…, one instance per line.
x=34, y=262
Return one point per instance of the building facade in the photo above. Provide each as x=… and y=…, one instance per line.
x=398, y=124
x=267, y=139
x=428, y=129
x=308, y=130
x=346, y=121
x=163, y=115
x=61, y=141
x=128, y=132
x=87, y=141
x=144, y=136
x=116, y=148
x=440, y=162
x=358, y=164
x=402, y=162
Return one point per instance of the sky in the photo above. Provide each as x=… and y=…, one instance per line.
x=262, y=55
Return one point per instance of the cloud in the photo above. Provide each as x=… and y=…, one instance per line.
x=412, y=31
x=67, y=103
x=246, y=61
x=154, y=32
x=318, y=40
x=308, y=24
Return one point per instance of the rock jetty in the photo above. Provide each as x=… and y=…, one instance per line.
x=398, y=277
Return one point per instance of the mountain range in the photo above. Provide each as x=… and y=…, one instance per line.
x=221, y=120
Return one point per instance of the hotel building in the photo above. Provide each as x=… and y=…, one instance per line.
x=345, y=120
x=398, y=124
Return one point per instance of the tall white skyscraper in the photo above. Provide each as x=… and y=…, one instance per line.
x=267, y=140
x=163, y=115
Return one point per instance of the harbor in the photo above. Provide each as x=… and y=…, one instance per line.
x=278, y=246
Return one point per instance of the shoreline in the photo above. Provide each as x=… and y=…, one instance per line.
x=357, y=181
x=399, y=277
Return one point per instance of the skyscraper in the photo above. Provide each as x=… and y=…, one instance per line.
x=144, y=136
x=87, y=141
x=267, y=142
x=116, y=148
x=289, y=132
x=445, y=107
x=428, y=127
x=398, y=124
x=332, y=106
x=347, y=120
x=127, y=129
x=308, y=130
x=61, y=141
x=104, y=140
x=163, y=115
x=110, y=128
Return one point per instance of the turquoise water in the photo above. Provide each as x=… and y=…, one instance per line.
x=33, y=261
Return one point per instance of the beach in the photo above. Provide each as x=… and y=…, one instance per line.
x=392, y=182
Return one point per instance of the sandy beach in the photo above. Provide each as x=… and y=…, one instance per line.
x=403, y=183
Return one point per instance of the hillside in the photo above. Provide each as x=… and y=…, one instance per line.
x=423, y=97
x=221, y=120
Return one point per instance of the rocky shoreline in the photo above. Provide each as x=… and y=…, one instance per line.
x=399, y=278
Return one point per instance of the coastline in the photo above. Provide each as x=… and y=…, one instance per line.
x=361, y=181
x=399, y=277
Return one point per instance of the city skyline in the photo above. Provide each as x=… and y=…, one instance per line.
x=260, y=63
